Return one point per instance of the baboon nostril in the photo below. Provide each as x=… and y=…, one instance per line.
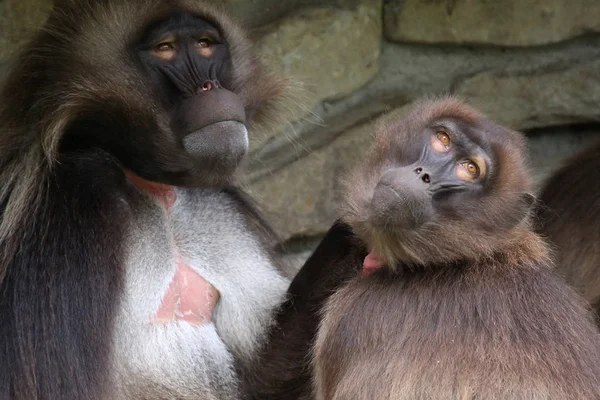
x=425, y=178
x=419, y=170
x=207, y=86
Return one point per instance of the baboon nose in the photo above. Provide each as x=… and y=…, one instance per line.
x=208, y=86
x=425, y=177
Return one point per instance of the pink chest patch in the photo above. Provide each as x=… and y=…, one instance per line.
x=163, y=193
x=189, y=298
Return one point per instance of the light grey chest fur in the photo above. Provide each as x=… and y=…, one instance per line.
x=180, y=360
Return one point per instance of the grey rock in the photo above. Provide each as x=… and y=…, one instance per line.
x=333, y=51
x=535, y=99
x=496, y=22
x=18, y=20
x=257, y=13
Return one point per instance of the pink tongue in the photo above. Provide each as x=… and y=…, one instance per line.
x=371, y=264
x=189, y=298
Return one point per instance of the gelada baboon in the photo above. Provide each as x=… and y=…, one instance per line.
x=433, y=285
x=569, y=215
x=130, y=267
x=457, y=298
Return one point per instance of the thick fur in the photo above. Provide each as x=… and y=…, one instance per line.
x=85, y=256
x=569, y=215
x=472, y=309
x=284, y=368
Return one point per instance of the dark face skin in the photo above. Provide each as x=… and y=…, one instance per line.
x=449, y=170
x=189, y=63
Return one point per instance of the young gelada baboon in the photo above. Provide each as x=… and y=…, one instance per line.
x=456, y=299
x=569, y=215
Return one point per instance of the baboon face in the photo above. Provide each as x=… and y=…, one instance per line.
x=187, y=60
x=168, y=89
x=446, y=177
x=442, y=183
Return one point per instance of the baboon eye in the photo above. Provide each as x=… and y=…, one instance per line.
x=165, y=46
x=444, y=138
x=204, y=43
x=468, y=170
x=441, y=141
x=165, y=50
x=206, y=46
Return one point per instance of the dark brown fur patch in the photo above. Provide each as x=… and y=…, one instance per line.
x=569, y=215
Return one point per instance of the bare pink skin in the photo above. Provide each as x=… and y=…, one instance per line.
x=164, y=193
x=190, y=297
x=371, y=264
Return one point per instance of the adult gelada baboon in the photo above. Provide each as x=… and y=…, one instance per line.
x=569, y=215
x=456, y=296
x=130, y=268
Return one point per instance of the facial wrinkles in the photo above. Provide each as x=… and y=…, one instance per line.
x=439, y=166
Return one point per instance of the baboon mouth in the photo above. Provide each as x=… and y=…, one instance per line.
x=226, y=127
x=220, y=137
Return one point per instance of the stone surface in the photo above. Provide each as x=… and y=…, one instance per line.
x=534, y=99
x=496, y=22
x=257, y=13
x=333, y=51
x=18, y=19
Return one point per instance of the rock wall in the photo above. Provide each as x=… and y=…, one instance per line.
x=532, y=65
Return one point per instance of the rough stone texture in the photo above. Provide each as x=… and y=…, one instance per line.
x=533, y=100
x=496, y=22
x=333, y=51
x=18, y=19
x=257, y=13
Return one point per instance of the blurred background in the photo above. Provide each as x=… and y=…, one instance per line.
x=530, y=65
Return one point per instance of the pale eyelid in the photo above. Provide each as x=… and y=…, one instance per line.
x=463, y=173
x=437, y=144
